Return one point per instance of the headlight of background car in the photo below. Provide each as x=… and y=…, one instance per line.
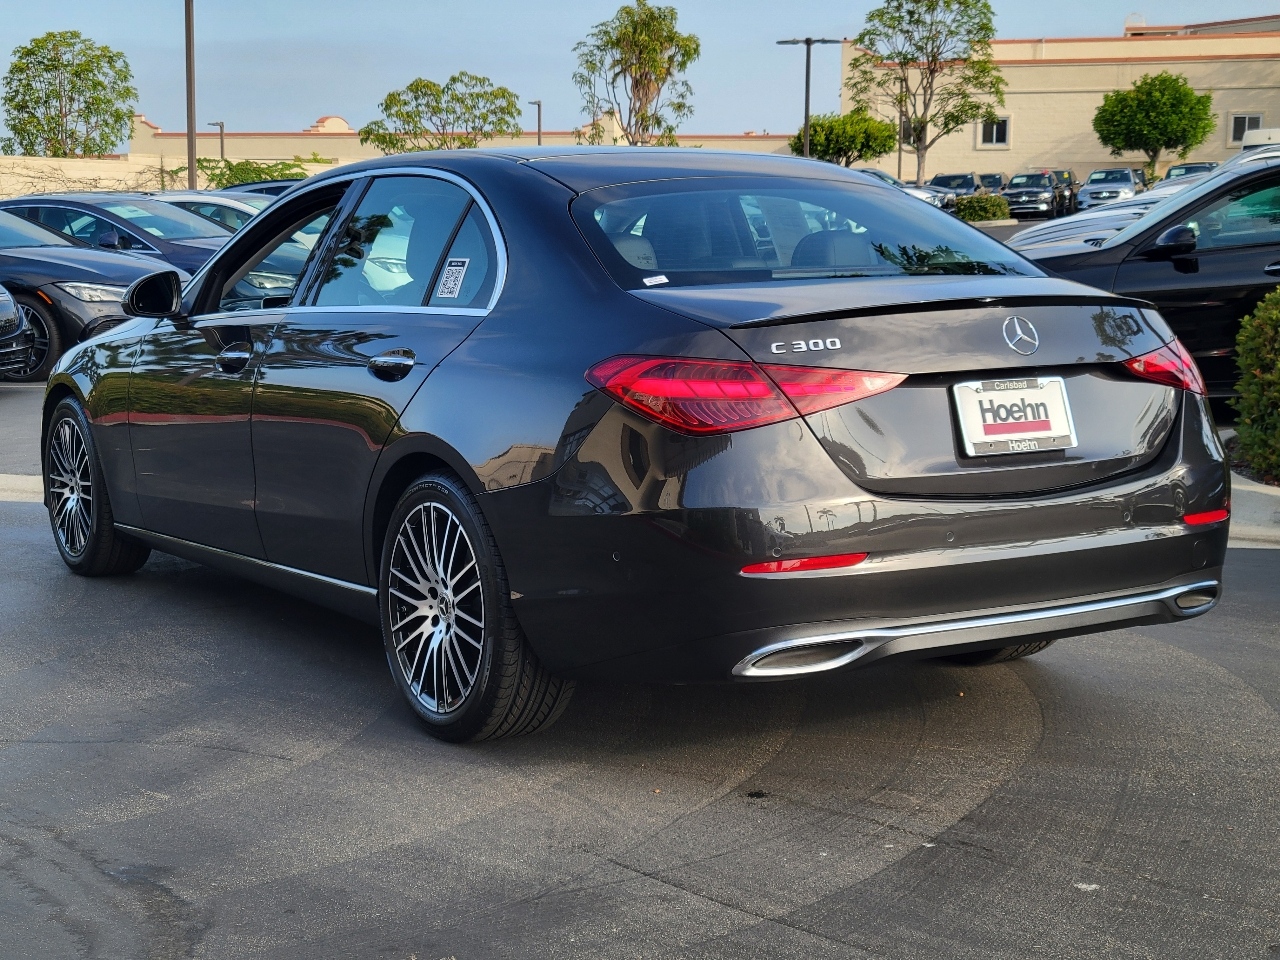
x=1125, y=194
x=93, y=292
x=1044, y=196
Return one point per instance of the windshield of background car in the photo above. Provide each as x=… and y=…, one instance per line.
x=952, y=181
x=1031, y=180
x=16, y=232
x=992, y=180
x=1111, y=176
x=163, y=220
x=711, y=230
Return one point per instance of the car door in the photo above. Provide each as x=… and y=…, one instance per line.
x=191, y=391
x=1205, y=294
x=405, y=279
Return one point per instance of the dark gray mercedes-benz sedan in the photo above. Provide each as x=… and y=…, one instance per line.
x=660, y=414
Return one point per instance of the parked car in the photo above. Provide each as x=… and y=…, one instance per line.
x=1067, y=180
x=933, y=197
x=272, y=188
x=1205, y=257
x=961, y=184
x=1108, y=186
x=543, y=414
x=1036, y=195
x=995, y=182
x=65, y=290
x=133, y=222
x=231, y=210
x=1189, y=169
x=16, y=338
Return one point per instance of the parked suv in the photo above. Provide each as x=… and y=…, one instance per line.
x=1067, y=179
x=995, y=182
x=1108, y=186
x=1036, y=195
x=961, y=184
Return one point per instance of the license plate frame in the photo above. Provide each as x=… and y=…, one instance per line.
x=1022, y=397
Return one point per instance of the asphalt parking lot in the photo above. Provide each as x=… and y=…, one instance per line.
x=195, y=766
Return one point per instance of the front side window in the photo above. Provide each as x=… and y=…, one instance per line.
x=391, y=249
x=270, y=275
x=163, y=220
x=83, y=226
x=996, y=134
x=229, y=217
x=1244, y=217
x=731, y=230
x=1242, y=123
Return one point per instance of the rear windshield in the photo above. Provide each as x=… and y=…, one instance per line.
x=1031, y=180
x=1111, y=176
x=953, y=181
x=712, y=230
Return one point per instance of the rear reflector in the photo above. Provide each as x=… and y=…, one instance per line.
x=720, y=396
x=813, y=389
x=1209, y=516
x=1170, y=365
x=833, y=562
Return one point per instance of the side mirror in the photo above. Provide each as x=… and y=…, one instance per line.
x=1174, y=242
x=109, y=240
x=155, y=295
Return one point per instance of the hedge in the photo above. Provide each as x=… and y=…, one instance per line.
x=1257, y=398
x=986, y=207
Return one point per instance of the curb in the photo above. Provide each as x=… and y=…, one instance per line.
x=1255, y=514
x=20, y=488
x=994, y=223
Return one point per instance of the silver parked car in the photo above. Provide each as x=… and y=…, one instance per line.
x=1109, y=186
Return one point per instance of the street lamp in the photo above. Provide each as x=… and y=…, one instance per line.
x=808, y=69
x=222, y=138
x=191, y=93
x=538, y=104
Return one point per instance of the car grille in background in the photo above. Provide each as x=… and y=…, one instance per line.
x=8, y=325
x=1105, y=194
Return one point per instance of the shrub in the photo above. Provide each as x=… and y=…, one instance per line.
x=986, y=207
x=1257, y=398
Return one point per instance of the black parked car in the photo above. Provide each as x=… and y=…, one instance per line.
x=65, y=290
x=547, y=413
x=1036, y=195
x=132, y=222
x=15, y=336
x=995, y=182
x=1070, y=186
x=961, y=184
x=1204, y=257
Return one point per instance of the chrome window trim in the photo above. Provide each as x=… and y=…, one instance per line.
x=499, y=241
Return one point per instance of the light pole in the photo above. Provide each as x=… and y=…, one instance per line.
x=222, y=138
x=808, y=70
x=191, y=94
x=538, y=104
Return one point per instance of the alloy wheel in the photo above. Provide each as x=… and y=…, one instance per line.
x=436, y=606
x=70, y=486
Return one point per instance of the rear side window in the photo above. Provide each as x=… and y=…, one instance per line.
x=730, y=230
x=470, y=268
x=391, y=249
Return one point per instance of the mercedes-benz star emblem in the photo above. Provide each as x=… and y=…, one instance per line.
x=1021, y=335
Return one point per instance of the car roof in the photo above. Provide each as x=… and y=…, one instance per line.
x=85, y=196
x=586, y=168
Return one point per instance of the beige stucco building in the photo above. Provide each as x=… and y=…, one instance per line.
x=1056, y=84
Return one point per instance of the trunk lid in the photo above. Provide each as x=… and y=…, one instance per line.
x=910, y=441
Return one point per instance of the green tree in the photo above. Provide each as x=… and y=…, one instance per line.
x=629, y=68
x=425, y=115
x=846, y=138
x=1257, y=399
x=931, y=61
x=66, y=96
x=1159, y=113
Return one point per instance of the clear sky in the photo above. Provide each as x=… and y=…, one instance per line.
x=280, y=64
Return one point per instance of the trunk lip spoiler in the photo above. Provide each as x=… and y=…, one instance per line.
x=930, y=306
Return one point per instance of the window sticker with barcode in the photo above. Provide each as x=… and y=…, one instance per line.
x=451, y=279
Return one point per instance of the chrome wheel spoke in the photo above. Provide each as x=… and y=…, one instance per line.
x=437, y=631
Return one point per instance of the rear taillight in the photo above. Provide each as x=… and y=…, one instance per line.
x=1209, y=516
x=832, y=562
x=1170, y=365
x=720, y=396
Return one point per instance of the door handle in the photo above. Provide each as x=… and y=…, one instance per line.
x=234, y=357
x=1272, y=268
x=392, y=365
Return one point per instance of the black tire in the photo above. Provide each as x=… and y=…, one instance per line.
x=87, y=539
x=50, y=341
x=980, y=658
x=509, y=692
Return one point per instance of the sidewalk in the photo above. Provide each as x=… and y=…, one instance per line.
x=1255, y=513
